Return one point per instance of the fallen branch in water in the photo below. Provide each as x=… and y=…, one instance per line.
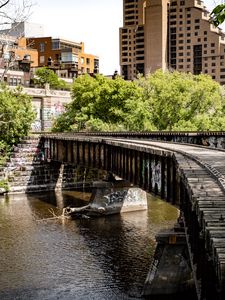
x=70, y=210
x=62, y=217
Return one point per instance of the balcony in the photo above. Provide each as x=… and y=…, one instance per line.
x=199, y=4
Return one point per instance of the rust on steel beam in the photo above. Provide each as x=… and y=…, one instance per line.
x=78, y=152
x=140, y=173
x=163, y=177
x=89, y=153
x=169, y=179
x=71, y=151
x=136, y=168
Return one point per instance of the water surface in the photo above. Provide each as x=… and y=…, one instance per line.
x=101, y=258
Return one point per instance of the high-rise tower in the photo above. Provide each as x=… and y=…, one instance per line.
x=170, y=34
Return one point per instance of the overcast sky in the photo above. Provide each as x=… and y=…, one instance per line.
x=94, y=22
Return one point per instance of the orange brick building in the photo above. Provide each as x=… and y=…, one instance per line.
x=67, y=58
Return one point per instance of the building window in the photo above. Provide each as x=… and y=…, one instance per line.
x=42, y=59
x=42, y=47
x=55, y=45
x=87, y=61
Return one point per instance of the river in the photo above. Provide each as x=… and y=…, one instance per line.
x=50, y=258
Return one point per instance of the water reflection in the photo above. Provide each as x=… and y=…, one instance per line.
x=104, y=258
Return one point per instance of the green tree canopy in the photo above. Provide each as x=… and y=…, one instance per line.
x=162, y=101
x=45, y=75
x=16, y=115
x=181, y=101
x=218, y=15
x=100, y=103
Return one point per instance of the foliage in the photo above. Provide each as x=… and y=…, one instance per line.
x=4, y=185
x=46, y=75
x=181, y=101
x=162, y=101
x=100, y=103
x=218, y=15
x=16, y=116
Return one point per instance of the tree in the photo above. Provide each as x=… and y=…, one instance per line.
x=104, y=104
x=16, y=116
x=162, y=101
x=180, y=101
x=45, y=75
x=217, y=15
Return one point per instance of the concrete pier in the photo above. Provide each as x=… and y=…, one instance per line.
x=112, y=198
x=170, y=275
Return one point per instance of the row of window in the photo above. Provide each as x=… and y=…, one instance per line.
x=82, y=60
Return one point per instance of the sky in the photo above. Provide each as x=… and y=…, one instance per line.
x=94, y=22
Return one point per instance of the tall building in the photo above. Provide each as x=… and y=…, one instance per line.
x=170, y=34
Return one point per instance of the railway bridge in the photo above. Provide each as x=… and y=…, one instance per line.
x=190, y=176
